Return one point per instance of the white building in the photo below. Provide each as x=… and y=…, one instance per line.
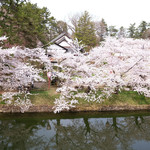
x=62, y=43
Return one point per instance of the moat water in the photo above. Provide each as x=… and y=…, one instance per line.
x=75, y=131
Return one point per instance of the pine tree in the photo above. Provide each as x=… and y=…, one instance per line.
x=142, y=28
x=85, y=31
x=9, y=10
x=132, y=30
x=112, y=31
x=25, y=24
x=62, y=27
x=101, y=30
x=121, y=32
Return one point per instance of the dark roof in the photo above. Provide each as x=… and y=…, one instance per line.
x=60, y=40
x=62, y=47
x=59, y=37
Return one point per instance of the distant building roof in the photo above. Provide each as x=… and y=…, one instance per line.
x=63, y=41
x=59, y=38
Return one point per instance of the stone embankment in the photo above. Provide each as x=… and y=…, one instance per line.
x=45, y=108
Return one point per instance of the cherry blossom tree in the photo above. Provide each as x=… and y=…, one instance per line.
x=17, y=72
x=119, y=64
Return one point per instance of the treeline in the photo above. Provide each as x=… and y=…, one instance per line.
x=91, y=33
x=28, y=25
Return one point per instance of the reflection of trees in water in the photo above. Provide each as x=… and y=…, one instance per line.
x=20, y=135
x=74, y=136
x=113, y=134
x=138, y=127
x=84, y=133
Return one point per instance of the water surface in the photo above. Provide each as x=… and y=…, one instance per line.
x=75, y=131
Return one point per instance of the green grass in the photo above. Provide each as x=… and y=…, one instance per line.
x=122, y=98
x=43, y=75
x=2, y=102
x=44, y=97
x=128, y=98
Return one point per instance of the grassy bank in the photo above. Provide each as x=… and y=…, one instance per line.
x=122, y=98
x=44, y=97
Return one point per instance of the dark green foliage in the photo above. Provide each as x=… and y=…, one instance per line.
x=137, y=32
x=85, y=31
x=62, y=27
x=112, y=31
x=131, y=30
x=142, y=28
x=25, y=24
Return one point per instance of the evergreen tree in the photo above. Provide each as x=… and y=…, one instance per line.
x=25, y=24
x=8, y=15
x=62, y=27
x=101, y=30
x=132, y=30
x=142, y=28
x=36, y=24
x=85, y=31
x=112, y=31
x=121, y=32
x=137, y=34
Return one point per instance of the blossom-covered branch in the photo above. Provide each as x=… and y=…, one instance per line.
x=118, y=64
x=17, y=72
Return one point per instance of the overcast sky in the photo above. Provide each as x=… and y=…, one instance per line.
x=115, y=12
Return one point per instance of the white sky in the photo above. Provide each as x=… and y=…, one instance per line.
x=115, y=12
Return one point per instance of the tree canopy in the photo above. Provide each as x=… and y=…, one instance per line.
x=85, y=31
x=117, y=65
x=25, y=24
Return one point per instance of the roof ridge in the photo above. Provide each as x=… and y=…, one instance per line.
x=59, y=36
